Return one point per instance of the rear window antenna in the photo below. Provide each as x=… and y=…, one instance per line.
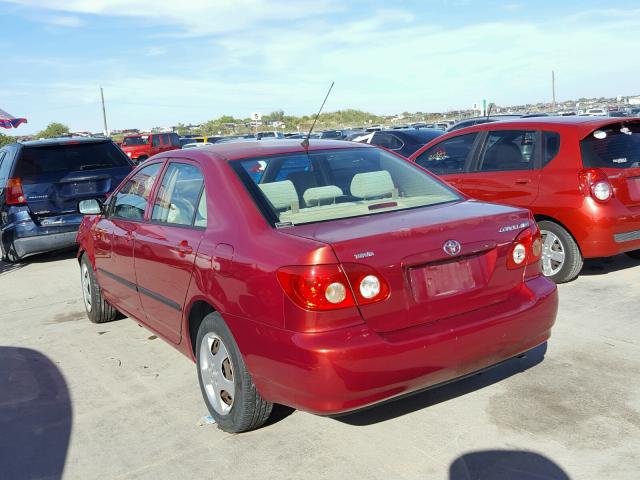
x=305, y=142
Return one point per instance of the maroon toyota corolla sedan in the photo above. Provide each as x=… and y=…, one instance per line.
x=327, y=279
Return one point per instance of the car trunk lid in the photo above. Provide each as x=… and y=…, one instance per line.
x=407, y=248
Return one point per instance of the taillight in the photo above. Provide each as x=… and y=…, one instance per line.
x=330, y=287
x=316, y=287
x=526, y=248
x=595, y=183
x=14, y=195
x=367, y=284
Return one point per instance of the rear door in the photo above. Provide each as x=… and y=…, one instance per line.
x=55, y=177
x=507, y=168
x=114, y=240
x=156, y=145
x=166, y=246
x=450, y=159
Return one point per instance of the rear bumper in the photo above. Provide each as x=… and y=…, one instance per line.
x=24, y=237
x=339, y=371
x=24, y=247
x=606, y=230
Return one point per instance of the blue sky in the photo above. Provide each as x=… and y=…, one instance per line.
x=163, y=62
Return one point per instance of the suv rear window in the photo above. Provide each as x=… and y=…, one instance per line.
x=333, y=184
x=69, y=158
x=613, y=146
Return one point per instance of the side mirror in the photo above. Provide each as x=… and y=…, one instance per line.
x=90, y=207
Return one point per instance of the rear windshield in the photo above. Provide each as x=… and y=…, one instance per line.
x=613, y=146
x=129, y=141
x=325, y=185
x=69, y=158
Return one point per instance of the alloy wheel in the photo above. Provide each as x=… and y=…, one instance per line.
x=553, y=253
x=86, y=287
x=216, y=370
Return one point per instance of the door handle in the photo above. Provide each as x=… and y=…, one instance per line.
x=522, y=181
x=183, y=248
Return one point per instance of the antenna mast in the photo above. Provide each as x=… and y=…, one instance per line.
x=305, y=142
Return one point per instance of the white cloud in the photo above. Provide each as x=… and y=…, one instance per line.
x=63, y=21
x=194, y=17
x=284, y=55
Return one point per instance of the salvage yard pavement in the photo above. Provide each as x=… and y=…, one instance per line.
x=114, y=401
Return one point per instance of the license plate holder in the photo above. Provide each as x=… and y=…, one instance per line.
x=442, y=279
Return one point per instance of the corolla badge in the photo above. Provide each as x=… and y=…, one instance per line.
x=452, y=247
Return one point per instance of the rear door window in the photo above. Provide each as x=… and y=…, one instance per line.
x=449, y=156
x=130, y=202
x=155, y=141
x=36, y=161
x=507, y=150
x=551, y=146
x=179, y=194
x=614, y=146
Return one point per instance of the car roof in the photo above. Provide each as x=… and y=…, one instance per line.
x=580, y=124
x=260, y=148
x=64, y=141
x=414, y=133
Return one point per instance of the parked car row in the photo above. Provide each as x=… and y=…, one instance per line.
x=348, y=257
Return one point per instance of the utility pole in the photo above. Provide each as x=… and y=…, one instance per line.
x=104, y=114
x=553, y=88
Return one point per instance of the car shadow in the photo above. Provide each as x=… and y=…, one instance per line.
x=35, y=415
x=6, y=268
x=417, y=401
x=603, y=266
x=65, y=254
x=505, y=465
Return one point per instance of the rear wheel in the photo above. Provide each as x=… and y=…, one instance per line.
x=634, y=254
x=97, y=308
x=561, y=257
x=227, y=387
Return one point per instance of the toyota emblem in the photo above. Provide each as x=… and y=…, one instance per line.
x=452, y=247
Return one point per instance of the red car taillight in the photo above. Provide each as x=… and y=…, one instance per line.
x=595, y=183
x=526, y=248
x=14, y=195
x=367, y=284
x=330, y=287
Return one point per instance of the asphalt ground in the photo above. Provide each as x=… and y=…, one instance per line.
x=86, y=401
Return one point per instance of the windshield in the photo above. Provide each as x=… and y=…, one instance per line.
x=325, y=185
x=129, y=141
x=613, y=146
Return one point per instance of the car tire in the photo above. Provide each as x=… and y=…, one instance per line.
x=556, y=240
x=97, y=308
x=141, y=159
x=634, y=254
x=220, y=364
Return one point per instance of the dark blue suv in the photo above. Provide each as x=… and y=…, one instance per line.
x=41, y=183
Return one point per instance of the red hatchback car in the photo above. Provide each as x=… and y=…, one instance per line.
x=326, y=279
x=580, y=176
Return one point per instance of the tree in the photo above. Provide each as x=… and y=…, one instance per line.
x=54, y=129
x=5, y=140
